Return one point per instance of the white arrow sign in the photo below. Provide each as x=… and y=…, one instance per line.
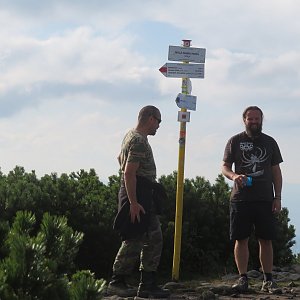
x=187, y=54
x=186, y=101
x=179, y=70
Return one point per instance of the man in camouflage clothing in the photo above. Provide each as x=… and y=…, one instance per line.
x=142, y=238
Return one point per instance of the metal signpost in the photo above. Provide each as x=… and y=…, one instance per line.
x=184, y=101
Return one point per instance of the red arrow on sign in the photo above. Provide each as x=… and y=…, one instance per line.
x=164, y=69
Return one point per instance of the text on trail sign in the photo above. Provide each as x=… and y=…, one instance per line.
x=181, y=70
x=187, y=54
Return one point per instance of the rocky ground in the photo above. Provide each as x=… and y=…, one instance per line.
x=287, y=278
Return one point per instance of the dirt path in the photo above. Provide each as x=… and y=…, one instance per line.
x=222, y=290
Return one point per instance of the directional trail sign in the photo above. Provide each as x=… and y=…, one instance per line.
x=187, y=54
x=186, y=101
x=181, y=70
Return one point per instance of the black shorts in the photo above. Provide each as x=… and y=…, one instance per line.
x=248, y=216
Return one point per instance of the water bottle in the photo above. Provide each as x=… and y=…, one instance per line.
x=248, y=181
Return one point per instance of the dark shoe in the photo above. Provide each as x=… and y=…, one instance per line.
x=271, y=287
x=241, y=285
x=152, y=292
x=118, y=286
x=148, y=287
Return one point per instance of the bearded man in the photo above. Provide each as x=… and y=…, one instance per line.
x=256, y=195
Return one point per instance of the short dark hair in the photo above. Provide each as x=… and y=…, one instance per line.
x=252, y=108
x=146, y=112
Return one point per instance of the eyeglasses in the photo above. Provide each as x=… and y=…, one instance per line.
x=157, y=119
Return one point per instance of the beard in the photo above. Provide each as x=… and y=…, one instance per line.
x=254, y=129
x=153, y=132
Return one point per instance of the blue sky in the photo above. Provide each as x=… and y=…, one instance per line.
x=74, y=74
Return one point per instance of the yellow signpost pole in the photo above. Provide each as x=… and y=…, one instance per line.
x=180, y=185
x=185, y=101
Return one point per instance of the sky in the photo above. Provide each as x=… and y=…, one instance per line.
x=74, y=75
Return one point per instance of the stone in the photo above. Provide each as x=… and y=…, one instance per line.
x=287, y=277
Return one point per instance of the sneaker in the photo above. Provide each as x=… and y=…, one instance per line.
x=271, y=287
x=120, y=289
x=241, y=285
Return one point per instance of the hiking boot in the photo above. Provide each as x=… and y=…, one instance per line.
x=153, y=291
x=241, y=285
x=118, y=286
x=148, y=287
x=271, y=287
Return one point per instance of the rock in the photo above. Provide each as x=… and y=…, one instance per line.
x=221, y=289
x=288, y=279
x=172, y=286
x=254, y=274
x=293, y=277
x=285, y=269
x=276, y=269
x=208, y=295
x=230, y=277
x=292, y=284
x=296, y=268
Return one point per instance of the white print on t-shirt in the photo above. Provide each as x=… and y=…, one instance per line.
x=253, y=159
x=246, y=146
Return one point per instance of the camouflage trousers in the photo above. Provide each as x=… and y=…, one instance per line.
x=145, y=250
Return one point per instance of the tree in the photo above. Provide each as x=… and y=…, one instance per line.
x=80, y=202
x=38, y=266
x=205, y=245
x=85, y=287
x=285, y=239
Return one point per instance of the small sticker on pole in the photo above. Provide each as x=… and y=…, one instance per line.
x=186, y=85
x=183, y=116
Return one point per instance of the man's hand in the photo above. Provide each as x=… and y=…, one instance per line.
x=135, y=211
x=236, y=178
x=130, y=184
x=276, y=208
x=239, y=180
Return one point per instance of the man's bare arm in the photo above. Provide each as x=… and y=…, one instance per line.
x=130, y=184
x=277, y=183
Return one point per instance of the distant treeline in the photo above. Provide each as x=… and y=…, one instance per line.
x=72, y=214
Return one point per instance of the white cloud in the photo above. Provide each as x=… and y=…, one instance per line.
x=74, y=74
x=76, y=57
x=62, y=136
x=70, y=66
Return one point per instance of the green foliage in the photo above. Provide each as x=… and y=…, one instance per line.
x=296, y=258
x=285, y=239
x=85, y=287
x=88, y=206
x=38, y=266
x=205, y=245
x=53, y=226
x=205, y=222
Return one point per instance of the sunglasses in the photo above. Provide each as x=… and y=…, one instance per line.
x=157, y=119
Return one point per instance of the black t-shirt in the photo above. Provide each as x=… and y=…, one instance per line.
x=253, y=158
